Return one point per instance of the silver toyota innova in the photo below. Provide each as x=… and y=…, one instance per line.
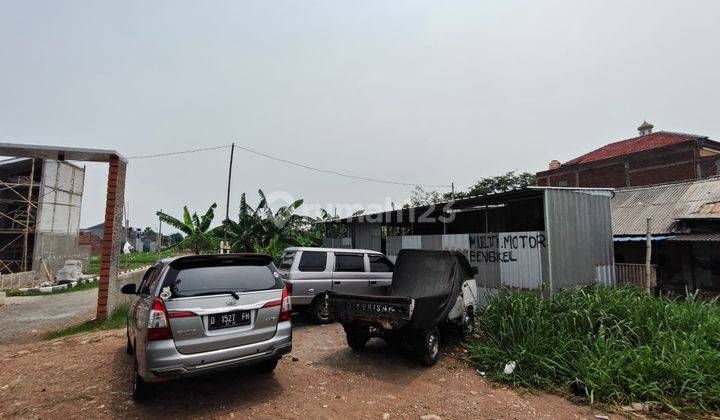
x=201, y=313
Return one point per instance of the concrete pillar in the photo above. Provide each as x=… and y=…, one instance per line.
x=111, y=238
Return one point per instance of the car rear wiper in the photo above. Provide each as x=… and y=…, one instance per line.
x=220, y=292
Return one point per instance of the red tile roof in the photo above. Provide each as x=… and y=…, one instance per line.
x=634, y=145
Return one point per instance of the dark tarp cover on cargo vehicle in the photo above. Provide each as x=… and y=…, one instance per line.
x=434, y=279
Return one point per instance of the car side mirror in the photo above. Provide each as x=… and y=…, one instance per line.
x=128, y=289
x=475, y=271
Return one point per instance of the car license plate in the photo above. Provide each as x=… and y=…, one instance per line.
x=228, y=320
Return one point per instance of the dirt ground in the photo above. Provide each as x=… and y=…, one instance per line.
x=88, y=375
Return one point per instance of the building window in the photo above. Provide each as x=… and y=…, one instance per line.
x=562, y=184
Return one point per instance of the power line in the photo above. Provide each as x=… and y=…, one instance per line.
x=302, y=165
x=184, y=152
x=290, y=162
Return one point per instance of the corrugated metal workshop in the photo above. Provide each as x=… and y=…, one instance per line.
x=533, y=238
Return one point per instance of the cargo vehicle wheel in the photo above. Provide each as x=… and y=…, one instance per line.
x=468, y=327
x=267, y=366
x=430, y=350
x=320, y=311
x=356, y=338
x=140, y=388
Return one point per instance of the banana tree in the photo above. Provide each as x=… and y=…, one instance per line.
x=282, y=223
x=262, y=229
x=244, y=235
x=198, y=236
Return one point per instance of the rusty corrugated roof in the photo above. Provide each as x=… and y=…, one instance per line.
x=710, y=209
x=663, y=204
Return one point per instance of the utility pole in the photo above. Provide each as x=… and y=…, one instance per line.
x=452, y=190
x=127, y=238
x=648, y=257
x=224, y=248
x=159, y=237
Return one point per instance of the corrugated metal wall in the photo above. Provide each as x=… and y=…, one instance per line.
x=510, y=259
x=576, y=247
x=345, y=242
x=393, y=245
x=412, y=242
x=366, y=235
x=579, y=235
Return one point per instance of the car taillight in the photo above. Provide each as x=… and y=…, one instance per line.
x=288, y=286
x=158, y=325
x=283, y=303
x=285, y=306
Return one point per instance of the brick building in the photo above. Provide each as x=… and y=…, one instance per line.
x=648, y=159
x=92, y=240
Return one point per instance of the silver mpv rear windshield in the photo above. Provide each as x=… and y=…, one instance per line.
x=218, y=276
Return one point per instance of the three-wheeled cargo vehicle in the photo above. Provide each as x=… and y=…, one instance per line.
x=429, y=289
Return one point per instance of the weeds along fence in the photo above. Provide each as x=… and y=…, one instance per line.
x=635, y=274
x=607, y=345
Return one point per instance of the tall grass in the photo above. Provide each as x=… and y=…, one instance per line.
x=606, y=345
x=133, y=260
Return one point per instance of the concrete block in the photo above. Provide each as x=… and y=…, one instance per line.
x=47, y=289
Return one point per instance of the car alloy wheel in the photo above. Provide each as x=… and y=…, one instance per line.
x=430, y=347
x=323, y=311
x=320, y=310
x=433, y=346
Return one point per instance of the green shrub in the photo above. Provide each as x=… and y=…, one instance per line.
x=134, y=260
x=609, y=345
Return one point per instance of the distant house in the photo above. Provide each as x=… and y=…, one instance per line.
x=685, y=231
x=96, y=230
x=136, y=237
x=92, y=240
x=648, y=159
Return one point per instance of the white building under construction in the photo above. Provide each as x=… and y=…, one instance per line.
x=40, y=202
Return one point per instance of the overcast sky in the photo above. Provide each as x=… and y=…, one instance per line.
x=415, y=91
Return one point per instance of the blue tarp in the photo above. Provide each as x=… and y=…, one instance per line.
x=639, y=238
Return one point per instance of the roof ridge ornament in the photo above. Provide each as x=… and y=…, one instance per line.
x=645, y=128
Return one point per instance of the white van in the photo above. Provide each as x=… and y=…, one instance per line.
x=310, y=272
